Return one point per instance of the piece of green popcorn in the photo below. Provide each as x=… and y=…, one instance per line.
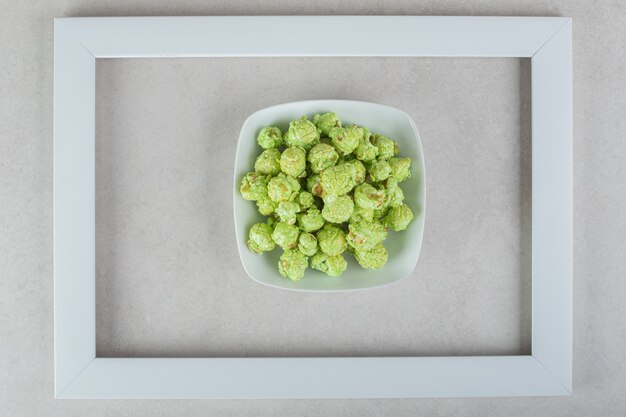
x=292, y=264
x=357, y=170
x=266, y=206
x=399, y=217
x=268, y=163
x=396, y=198
x=336, y=265
x=333, y=266
x=368, y=197
x=360, y=213
x=379, y=170
x=285, y=235
x=293, y=161
x=270, y=137
x=314, y=185
x=338, y=209
x=305, y=199
x=394, y=195
x=260, y=238
x=283, y=188
x=366, y=234
x=332, y=240
x=372, y=258
x=318, y=261
x=271, y=221
x=356, y=131
x=307, y=244
x=390, y=184
x=346, y=139
x=336, y=180
x=400, y=168
x=381, y=213
x=253, y=186
x=287, y=210
x=367, y=134
x=311, y=221
x=325, y=122
x=322, y=156
x=387, y=148
x=366, y=151
x=302, y=133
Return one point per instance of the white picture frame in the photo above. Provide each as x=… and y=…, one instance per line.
x=80, y=374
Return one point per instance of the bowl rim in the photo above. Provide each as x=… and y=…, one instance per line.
x=422, y=185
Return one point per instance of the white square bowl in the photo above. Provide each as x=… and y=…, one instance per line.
x=404, y=247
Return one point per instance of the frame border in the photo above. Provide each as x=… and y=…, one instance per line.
x=80, y=374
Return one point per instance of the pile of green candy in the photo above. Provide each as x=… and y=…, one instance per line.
x=326, y=188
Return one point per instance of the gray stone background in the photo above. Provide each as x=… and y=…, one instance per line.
x=170, y=281
x=168, y=128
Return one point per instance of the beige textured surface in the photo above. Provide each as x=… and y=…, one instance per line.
x=169, y=311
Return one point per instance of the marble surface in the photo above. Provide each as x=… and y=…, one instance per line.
x=169, y=277
x=168, y=128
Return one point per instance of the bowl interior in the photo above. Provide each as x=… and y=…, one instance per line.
x=404, y=247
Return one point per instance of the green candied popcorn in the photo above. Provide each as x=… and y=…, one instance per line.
x=305, y=199
x=293, y=161
x=307, y=244
x=329, y=175
x=332, y=240
x=311, y=221
x=396, y=198
x=283, y=188
x=318, y=261
x=400, y=168
x=368, y=197
x=285, y=235
x=366, y=151
x=360, y=213
x=346, y=139
x=394, y=195
x=357, y=170
x=338, y=209
x=390, y=184
x=372, y=258
x=260, y=238
x=367, y=134
x=268, y=163
x=292, y=264
x=337, y=180
x=366, y=234
x=270, y=137
x=398, y=218
x=381, y=213
x=266, y=206
x=253, y=186
x=387, y=148
x=336, y=265
x=287, y=210
x=271, y=221
x=379, y=170
x=302, y=133
x=322, y=156
x=332, y=266
x=314, y=185
x=326, y=122
x=356, y=131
